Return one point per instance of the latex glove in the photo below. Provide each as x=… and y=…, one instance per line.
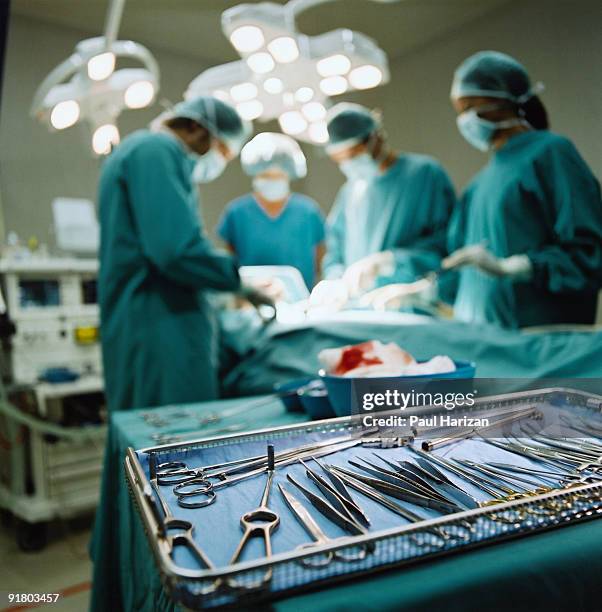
x=258, y=299
x=361, y=275
x=477, y=255
x=329, y=295
x=269, y=286
x=393, y=297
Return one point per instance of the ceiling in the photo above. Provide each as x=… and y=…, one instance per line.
x=192, y=27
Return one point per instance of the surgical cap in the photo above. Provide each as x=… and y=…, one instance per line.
x=349, y=124
x=269, y=150
x=221, y=119
x=493, y=75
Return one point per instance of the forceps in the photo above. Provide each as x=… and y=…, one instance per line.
x=319, y=537
x=169, y=523
x=260, y=522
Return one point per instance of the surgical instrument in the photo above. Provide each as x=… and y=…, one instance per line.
x=318, y=536
x=183, y=435
x=429, y=445
x=332, y=495
x=339, y=485
x=261, y=522
x=170, y=523
x=204, y=488
x=350, y=526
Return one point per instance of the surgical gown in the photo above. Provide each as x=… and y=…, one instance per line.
x=157, y=328
x=405, y=210
x=536, y=196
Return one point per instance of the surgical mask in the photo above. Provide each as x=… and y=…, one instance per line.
x=362, y=166
x=209, y=166
x=271, y=189
x=479, y=132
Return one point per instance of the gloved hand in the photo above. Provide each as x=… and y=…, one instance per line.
x=361, y=275
x=257, y=299
x=518, y=267
x=329, y=295
x=393, y=297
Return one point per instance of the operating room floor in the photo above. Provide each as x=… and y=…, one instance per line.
x=63, y=566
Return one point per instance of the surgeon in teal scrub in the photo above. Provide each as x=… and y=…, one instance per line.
x=390, y=218
x=156, y=264
x=273, y=225
x=527, y=237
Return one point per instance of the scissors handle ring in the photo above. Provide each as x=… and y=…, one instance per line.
x=176, y=478
x=204, y=486
x=209, y=496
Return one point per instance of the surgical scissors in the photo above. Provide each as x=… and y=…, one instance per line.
x=169, y=523
x=260, y=522
x=205, y=488
x=319, y=537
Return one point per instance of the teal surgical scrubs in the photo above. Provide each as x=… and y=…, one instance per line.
x=156, y=264
x=406, y=210
x=288, y=239
x=536, y=196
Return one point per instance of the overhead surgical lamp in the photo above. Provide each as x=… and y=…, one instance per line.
x=87, y=87
x=286, y=75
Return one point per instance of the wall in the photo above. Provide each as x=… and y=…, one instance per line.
x=560, y=41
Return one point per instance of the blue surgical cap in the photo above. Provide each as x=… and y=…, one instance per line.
x=349, y=124
x=221, y=119
x=493, y=74
x=269, y=150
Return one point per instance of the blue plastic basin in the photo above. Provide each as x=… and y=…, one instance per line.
x=340, y=387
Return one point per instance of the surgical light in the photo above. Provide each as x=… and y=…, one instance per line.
x=64, y=114
x=105, y=138
x=365, y=77
x=261, y=63
x=247, y=38
x=292, y=122
x=250, y=110
x=288, y=99
x=220, y=94
x=314, y=111
x=102, y=66
x=334, y=85
x=273, y=85
x=243, y=92
x=334, y=65
x=284, y=49
x=304, y=94
x=318, y=132
x=139, y=95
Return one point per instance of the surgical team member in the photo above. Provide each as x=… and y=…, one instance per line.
x=390, y=218
x=529, y=227
x=527, y=236
x=272, y=225
x=158, y=330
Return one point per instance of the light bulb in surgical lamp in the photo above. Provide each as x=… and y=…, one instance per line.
x=273, y=85
x=304, y=94
x=333, y=65
x=284, y=49
x=365, y=77
x=313, y=111
x=104, y=138
x=247, y=39
x=260, y=63
x=139, y=94
x=64, y=114
x=250, y=110
x=318, y=132
x=334, y=85
x=292, y=122
x=243, y=92
x=101, y=66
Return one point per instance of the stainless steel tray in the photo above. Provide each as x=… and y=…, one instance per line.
x=392, y=547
